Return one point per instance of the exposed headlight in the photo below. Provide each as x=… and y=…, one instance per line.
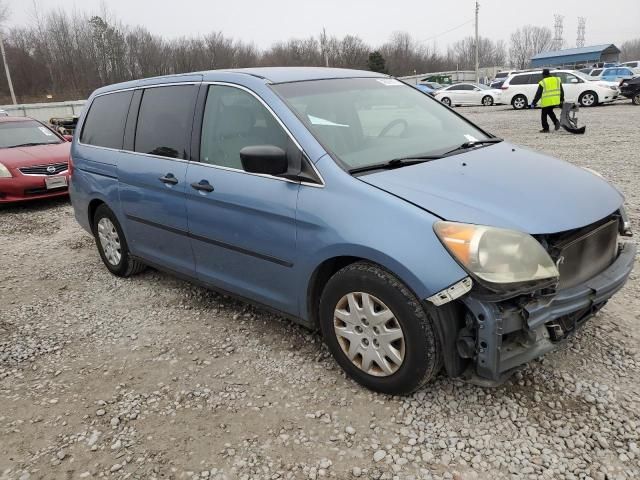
x=496, y=255
x=4, y=172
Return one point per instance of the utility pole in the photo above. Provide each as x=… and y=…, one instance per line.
x=477, y=66
x=6, y=69
x=323, y=42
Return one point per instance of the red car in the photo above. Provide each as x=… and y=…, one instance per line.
x=34, y=160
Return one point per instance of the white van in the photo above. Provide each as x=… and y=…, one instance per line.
x=520, y=88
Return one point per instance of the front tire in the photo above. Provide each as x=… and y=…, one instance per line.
x=378, y=331
x=519, y=102
x=487, y=100
x=588, y=99
x=112, y=244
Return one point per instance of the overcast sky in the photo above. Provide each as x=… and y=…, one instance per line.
x=266, y=21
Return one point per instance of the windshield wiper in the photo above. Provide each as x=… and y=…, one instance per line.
x=473, y=143
x=32, y=144
x=396, y=163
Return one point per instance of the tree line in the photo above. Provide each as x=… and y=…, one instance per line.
x=67, y=55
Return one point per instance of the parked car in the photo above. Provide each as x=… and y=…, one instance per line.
x=432, y=85
x=634, y=65
x=352, y=203
x=615, y=74
x=497, y=84
x=594, y=73
x=520, y=89
x=468, y=94
x=631, y=89
x=424, y=88
x=34, y=160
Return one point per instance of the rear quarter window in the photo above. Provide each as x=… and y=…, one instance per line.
x=104, y=125
x=519, y=80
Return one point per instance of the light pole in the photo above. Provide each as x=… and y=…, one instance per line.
x=6, y=69
x=477, y=66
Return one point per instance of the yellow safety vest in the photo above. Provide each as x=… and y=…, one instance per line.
x=551, y=88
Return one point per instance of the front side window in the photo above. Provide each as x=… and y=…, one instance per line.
x=26, y=134
x=234, y=119
x=164, y=121
x=104, y=125
x=367, y=121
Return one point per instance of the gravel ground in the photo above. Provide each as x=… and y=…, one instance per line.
x=151, y=377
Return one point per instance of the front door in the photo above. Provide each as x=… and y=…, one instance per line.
x=152, y=176
x=242, y=226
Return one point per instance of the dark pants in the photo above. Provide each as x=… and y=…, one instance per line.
x=548, y=112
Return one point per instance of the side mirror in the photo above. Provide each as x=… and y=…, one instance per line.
x=68, y=138
x=264, y=159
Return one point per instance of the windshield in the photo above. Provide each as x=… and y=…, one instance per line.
x=584, y=77
x=14, y=134
x=367, y=121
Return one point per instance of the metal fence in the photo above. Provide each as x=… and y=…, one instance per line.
x=45, y=111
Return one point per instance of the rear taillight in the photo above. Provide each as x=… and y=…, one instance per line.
x=504, y=87
x=70, y=167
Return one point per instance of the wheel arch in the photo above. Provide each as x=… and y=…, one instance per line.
x=91, y=209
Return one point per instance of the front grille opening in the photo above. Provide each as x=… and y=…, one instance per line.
x=50, y=169
x=583, y=253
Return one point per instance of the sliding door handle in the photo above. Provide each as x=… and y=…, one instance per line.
x=169, y=178
x=202, y=186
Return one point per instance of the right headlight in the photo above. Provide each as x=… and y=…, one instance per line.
x=496, y=255
x=4, y=172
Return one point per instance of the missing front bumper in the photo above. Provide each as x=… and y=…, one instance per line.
x=508, y=337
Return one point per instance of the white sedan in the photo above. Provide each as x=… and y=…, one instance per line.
x=469, y=94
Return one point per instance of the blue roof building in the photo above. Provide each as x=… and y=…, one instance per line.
x=574, y=56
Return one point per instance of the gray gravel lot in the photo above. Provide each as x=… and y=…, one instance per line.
x=151, y=377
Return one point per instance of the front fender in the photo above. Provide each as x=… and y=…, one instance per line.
x=351, y=218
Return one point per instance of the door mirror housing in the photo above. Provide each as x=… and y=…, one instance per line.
x=264, y=159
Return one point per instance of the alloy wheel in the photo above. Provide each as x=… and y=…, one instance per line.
x=369, y=334
x=588, y=99
x=109, y=241
x=519, y=102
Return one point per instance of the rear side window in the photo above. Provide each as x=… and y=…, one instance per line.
x=519, y=80
x=104, y=126
x=535, y=78
x=164, y=121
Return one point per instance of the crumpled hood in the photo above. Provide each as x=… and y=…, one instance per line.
x=504, y=186
x=37, y=155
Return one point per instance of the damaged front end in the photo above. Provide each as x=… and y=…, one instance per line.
x=494, y=332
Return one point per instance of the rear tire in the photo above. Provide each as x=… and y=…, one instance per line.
x=519, y=102
x=112, y=245
x=368, y=311
x=636, y=99
x=588, y=99
x=446, y=101
x=487, y=100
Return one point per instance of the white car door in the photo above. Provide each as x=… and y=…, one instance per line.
x=571, y=85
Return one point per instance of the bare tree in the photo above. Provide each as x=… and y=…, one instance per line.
x=630, y=50
x=527, y=42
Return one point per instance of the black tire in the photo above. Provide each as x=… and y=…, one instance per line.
x=422, y=352
x=446, y=101
x=588, y=99
x=636, y=99
x=487, y=100
x=519, y=102
x=126, y=266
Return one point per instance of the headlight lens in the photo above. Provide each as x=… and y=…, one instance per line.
x=496, y=255
x=4, y=172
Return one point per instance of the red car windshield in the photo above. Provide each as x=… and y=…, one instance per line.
x=26, y=134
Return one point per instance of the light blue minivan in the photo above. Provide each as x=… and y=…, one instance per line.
x=353, y=203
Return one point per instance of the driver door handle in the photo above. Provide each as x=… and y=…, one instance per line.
x=202, y=186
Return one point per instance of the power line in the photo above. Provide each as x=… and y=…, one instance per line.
x=447, y=31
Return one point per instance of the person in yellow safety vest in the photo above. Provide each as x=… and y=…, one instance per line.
x=550, y=94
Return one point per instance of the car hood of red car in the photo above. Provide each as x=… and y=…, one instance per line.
x=37, y=155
